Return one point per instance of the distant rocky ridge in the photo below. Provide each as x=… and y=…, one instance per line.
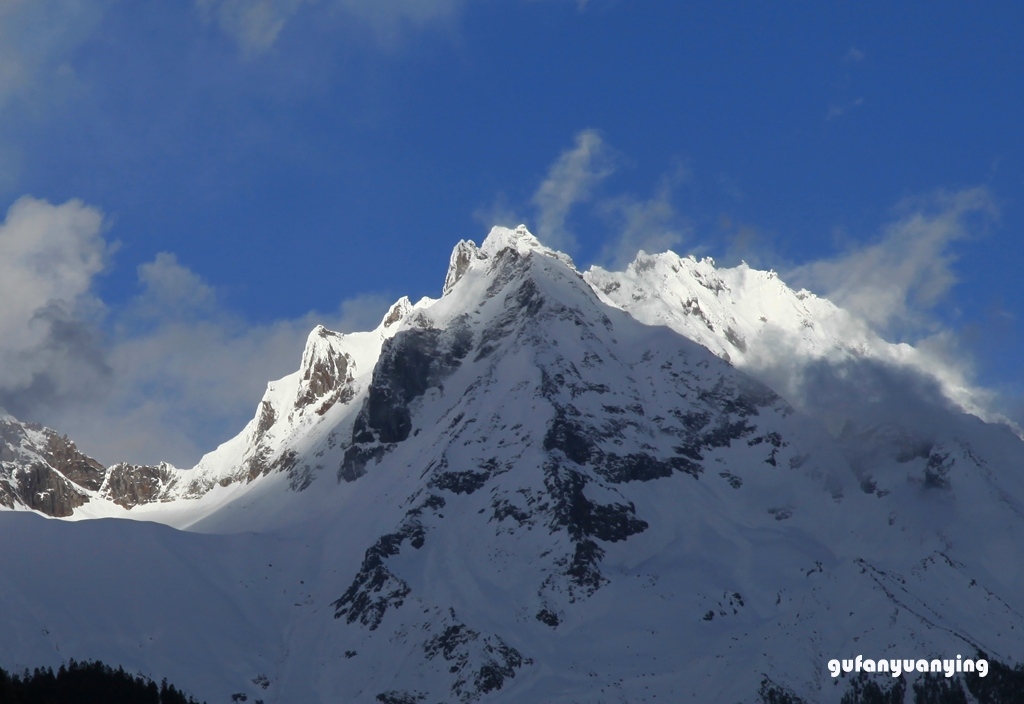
x=42, y=470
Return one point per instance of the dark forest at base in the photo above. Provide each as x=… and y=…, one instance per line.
x=86, y=683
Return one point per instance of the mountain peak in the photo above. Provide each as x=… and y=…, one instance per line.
x=499, y=239
x=520, y=239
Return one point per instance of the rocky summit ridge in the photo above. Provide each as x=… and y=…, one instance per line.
x=556, y=486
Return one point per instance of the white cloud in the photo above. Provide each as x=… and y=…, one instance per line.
x=186, y=386
x=891, y=283
x=47, y=253
x=49, y=256
x=570, y=181
x=171, y=290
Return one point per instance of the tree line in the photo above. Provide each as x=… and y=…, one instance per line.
x=86, y=683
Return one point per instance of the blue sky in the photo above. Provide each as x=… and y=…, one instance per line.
x=209, y=179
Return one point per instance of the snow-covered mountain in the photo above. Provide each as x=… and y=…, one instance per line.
x=548, y=486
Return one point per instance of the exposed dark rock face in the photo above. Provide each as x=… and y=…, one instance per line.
x=130, y=485
x=375, y=588
x=582, y=517
x=257, y=461
x=393, y=696
x=44, y=471
x=481, y=664
x=41, y=488
x=397, y=312
x=411, y=362
x=460, y=482
x=772, y=693
x=326, y=372
x=64, y=457
x=463, y=254
x=936, y=471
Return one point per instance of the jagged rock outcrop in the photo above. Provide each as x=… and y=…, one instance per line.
x=462, y=256
x=130, y=485
x=326, y=372
x=63, y=456
x=43, y=471
x=41, y=488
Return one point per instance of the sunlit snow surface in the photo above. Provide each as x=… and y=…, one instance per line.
x=581, y=504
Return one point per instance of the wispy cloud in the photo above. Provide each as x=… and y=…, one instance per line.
x=651, y=225
x=573, y=185
x=388, y=18
x=836, y=110
x=256, y=24
x=845, y=101
x=896, y=284
x=37, y=39
x=631, y=223
x=894, y=280
x=38, y=42
x=499, y=212
x=570, y=181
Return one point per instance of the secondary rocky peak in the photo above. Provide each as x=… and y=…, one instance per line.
x=43, y=470
x=400, y=308
x=462, y=256
x=64, y=456
x=326, y=369
x=658, y=268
